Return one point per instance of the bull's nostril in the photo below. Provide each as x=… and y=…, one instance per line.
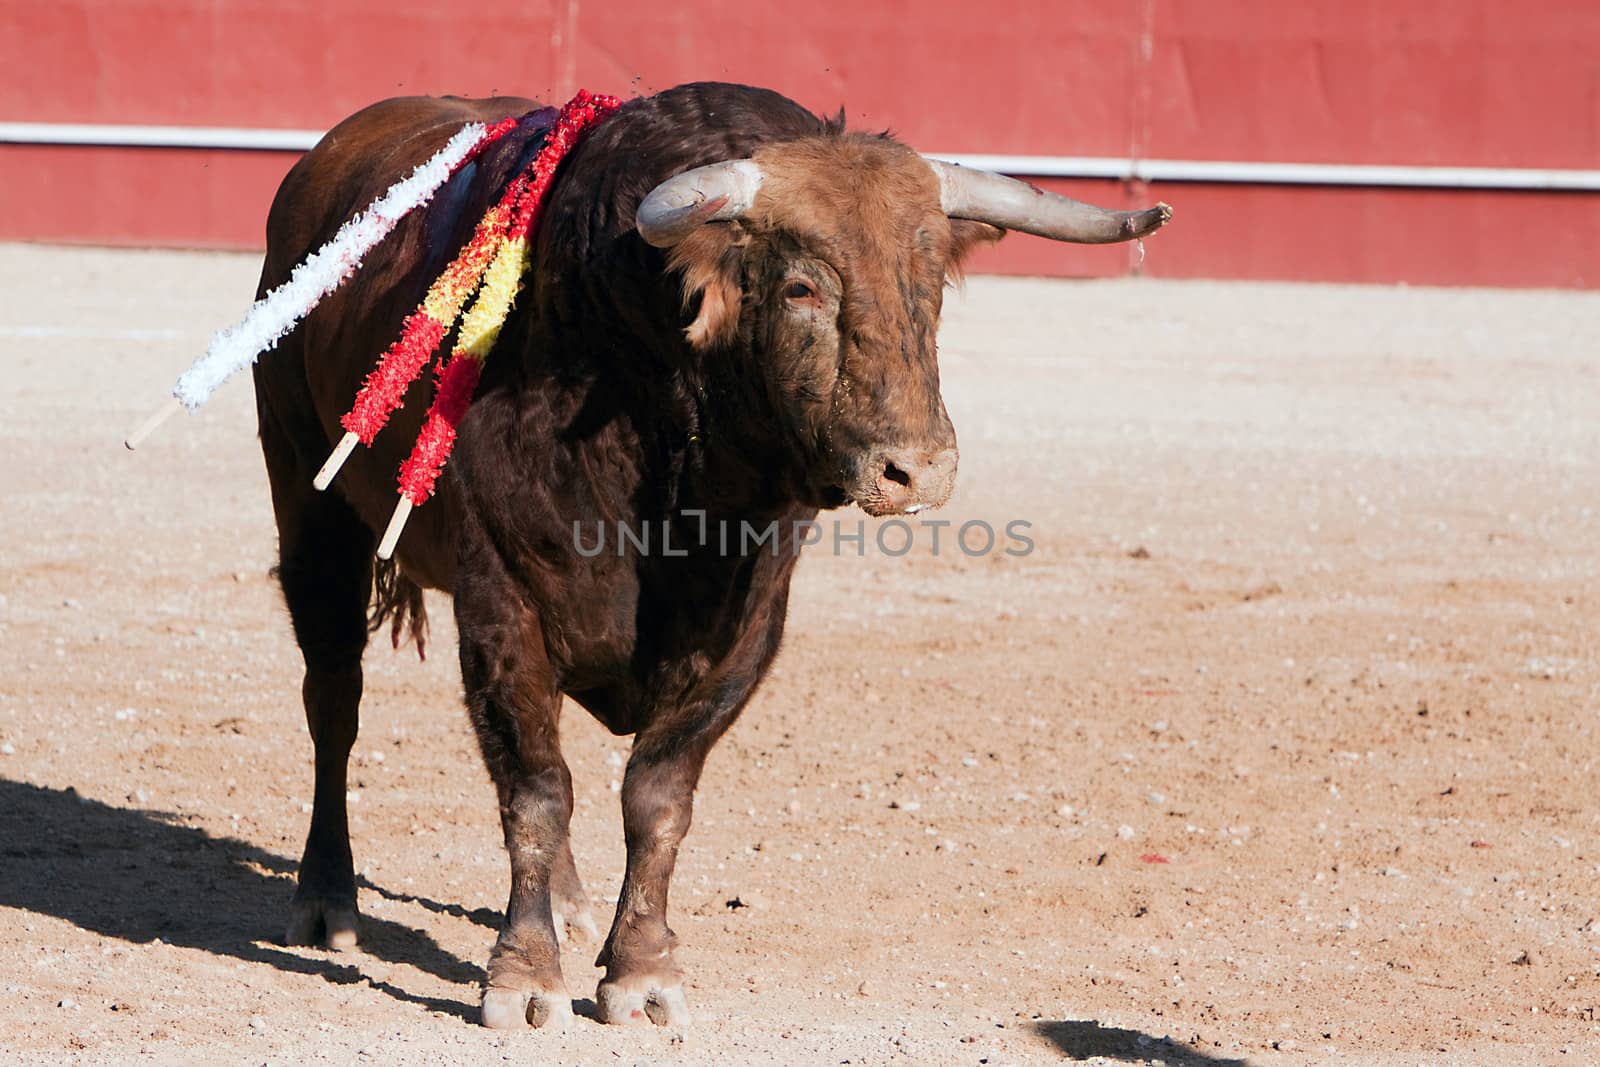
x=895, y=474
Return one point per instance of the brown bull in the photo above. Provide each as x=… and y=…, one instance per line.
x=730, y=318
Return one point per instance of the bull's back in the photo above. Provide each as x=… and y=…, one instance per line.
x=311, y=379
x=357, y=160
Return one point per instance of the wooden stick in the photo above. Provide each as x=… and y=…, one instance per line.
x=397, y=522
x=168, y=408
x=330, y=469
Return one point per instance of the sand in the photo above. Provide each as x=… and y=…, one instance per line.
x=1279, y=746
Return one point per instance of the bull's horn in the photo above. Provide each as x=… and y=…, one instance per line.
x=711, y=193
x=1012, y=205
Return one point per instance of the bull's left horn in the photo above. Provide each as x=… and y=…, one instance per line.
x=716, y=192
x=983, y=196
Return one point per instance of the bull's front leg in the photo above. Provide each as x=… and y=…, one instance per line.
x=642, y=979
x=515, y=706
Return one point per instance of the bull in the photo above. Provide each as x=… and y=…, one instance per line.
x=729, y=317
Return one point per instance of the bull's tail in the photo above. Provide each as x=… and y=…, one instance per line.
x=398, y=601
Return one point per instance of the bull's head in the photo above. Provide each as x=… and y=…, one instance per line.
x=829, y=270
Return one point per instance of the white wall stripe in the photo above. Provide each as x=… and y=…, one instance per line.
x=68, y=133
x=1192, y=170
x=1150, y=170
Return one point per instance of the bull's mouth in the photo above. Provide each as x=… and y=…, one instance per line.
x=878, y=507
x=880, y=501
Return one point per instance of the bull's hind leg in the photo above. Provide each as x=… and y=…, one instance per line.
x=515, y=707
x=568, y=900
x=325, y=569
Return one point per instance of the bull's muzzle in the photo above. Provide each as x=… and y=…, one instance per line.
x=903, y=481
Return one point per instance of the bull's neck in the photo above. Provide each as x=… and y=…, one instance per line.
x=738, y=458
x=654, y=444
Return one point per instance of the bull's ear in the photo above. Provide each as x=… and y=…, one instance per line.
x=717, y=323
x=710, y=264
x=965, y=236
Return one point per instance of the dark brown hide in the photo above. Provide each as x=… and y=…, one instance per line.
x=799, y=374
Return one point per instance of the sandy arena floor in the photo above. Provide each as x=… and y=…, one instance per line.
x=1279, y=748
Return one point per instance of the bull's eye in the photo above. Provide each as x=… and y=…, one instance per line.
x=799, y=290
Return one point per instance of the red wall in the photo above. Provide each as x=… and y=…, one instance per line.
x=1444, y=82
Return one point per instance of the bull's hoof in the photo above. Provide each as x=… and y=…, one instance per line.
x=640, y=999
x=513, y=1009
x=331, y=924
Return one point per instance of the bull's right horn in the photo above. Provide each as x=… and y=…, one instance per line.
x=969, y=193
x=713, y=193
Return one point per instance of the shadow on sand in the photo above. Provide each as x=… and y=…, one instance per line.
x=139, y=875
x=1087, y=1040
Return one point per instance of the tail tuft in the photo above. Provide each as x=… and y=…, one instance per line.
x=398, y=601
